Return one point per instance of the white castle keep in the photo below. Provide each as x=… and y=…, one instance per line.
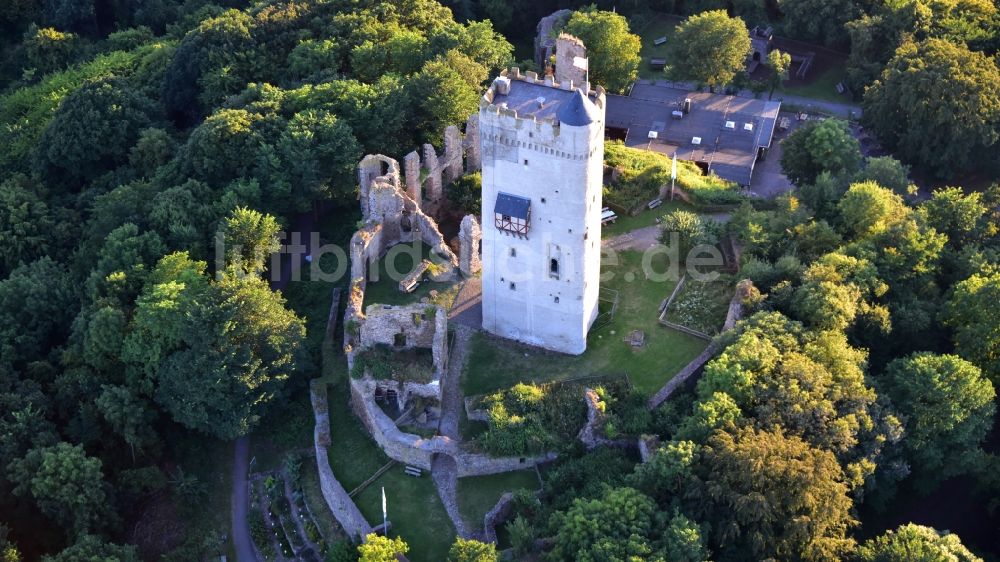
x=542, y=150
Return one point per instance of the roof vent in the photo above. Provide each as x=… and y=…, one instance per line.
x=748, y=127
x=695, y=140
x=731, y=125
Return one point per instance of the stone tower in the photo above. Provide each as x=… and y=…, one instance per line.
x=543, y=155
x=570, y=52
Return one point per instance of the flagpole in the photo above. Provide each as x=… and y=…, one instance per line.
x=673, y=176
x=385, y=518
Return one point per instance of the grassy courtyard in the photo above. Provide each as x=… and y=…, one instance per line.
x=399, y=261
x=413, y=503
x=478, y=494
x=646, y=218
x=660, y=25
x=822, y=87
x=495, y=364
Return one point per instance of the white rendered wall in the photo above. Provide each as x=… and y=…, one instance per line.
x=565, y=168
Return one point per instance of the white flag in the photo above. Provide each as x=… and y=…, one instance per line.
x=673, y=168
x=581, y=63
x=383, y=504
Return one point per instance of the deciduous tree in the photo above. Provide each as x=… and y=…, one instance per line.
x=768, y=495
x=936, y=105
x=947, y=408
x=612, y=50
x=974, y=318
x=91, y=548
x=915, y=543
x=709, y=48
x=471, y=550
x=820, y=146
x=778, y=63
x=65, y=483
x=616, y=526
x=378, y=548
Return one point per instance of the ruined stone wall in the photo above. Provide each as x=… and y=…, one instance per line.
x=427, y=173
x=592, y=434
x=391, y=218
x=545, y=42
x=383, y=323
x=417, y=451
x=469, y=239
x=340, y=503
x=421, y=326
x=480, y=464
x=568, y=49
x=372, y=167
x=500, y=513
x=406, y=448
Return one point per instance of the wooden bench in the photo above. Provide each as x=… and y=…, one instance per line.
x=659, y=41
x=413, y=471
x=655, y=203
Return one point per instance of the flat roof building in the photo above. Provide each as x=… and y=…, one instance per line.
x=724, y=134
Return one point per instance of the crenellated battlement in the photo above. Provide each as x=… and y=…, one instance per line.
x=501, y=86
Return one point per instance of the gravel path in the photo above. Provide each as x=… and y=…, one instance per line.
x=445, y=474
x=245, y=551
x=451, y=391
x=443, y=468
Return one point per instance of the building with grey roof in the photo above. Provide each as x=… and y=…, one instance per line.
x=724, y=135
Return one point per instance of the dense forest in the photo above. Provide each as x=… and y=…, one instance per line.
x=131, y=133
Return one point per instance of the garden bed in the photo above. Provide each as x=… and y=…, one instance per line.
x=702, y=306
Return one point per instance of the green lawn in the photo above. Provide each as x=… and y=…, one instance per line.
x=822, y=87
x=478, y=494
x=646, y=218
x=661, y=25
x=495, y=364
x=402, y=259
x=414, y=506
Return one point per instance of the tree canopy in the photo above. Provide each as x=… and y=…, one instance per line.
x=709, y=48
x=947, y=408
x=612, y=50
x=936, y=105
x=820, y=146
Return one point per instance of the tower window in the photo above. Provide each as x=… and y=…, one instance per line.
x=543, y=199
x=513, y=286
x=525, y=161
x=557, y=300
x=513, y=252
x=554, y=268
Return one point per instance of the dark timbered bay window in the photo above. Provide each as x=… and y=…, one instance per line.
x=512, y=214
